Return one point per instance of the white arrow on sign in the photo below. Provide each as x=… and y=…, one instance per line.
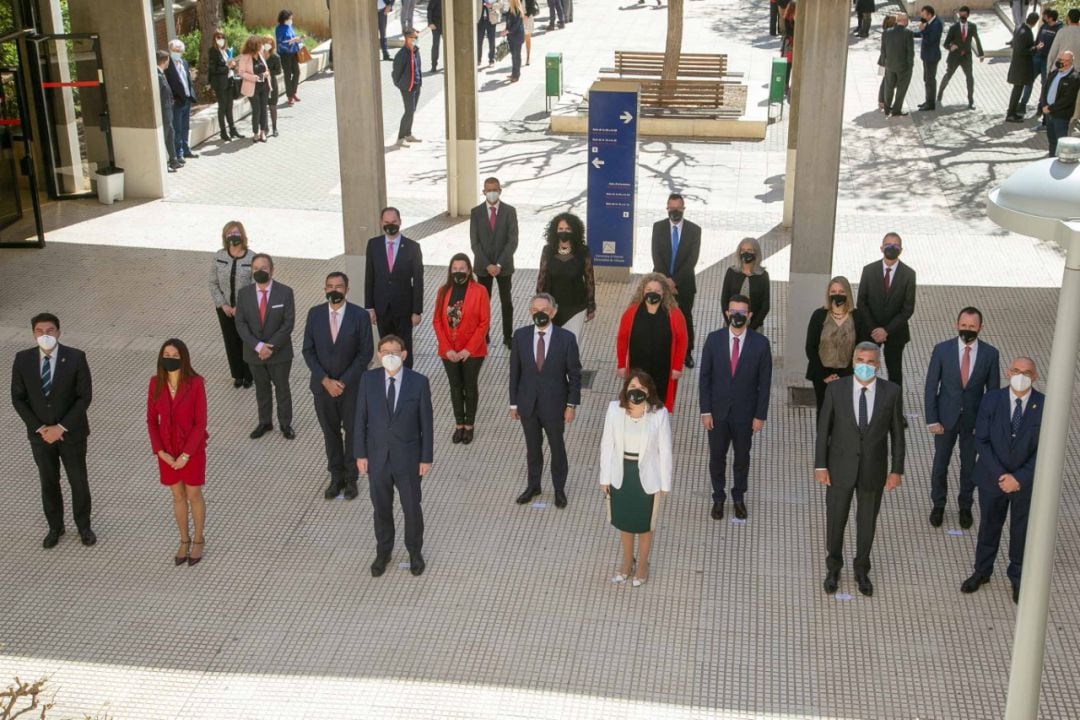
x=626, y=117
x=597, y=163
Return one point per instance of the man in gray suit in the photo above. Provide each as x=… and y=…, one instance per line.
x=265, y=314
x=859, y=421
x=898, y=55
x=493, y=232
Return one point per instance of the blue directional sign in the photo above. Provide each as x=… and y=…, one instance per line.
x=613, y=123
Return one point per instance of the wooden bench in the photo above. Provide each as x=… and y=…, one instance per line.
x=709, y=98
x=691, y=65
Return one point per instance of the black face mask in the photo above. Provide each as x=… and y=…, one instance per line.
x=1059, y=64
x=675, y=215
x=391, y=229
x=261, y=276
x=564, y=236
x=968, y=336
x=234, y=241
x=737, y=319
x=653, y=298
x=170, y=364
x=335, y=297
x=541, y=319
x=459, y=277
x=838, y=299
x=636, y=397
x=748, y=257
x=891, y=252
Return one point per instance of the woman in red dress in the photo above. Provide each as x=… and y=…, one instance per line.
x=176, y=420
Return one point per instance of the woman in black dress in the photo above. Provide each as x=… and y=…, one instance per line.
x=566, y=272
x=747, y=277
x=273, y=63
x=652, y=337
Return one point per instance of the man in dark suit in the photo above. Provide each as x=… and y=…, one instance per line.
x=1022, y=69
x=898, y=51
x=887, y=297
x=493, y=233
x=394, y=448
x=1007, y=438
x=265, y=315
x=408, y=76
x=736, y=372
x=337, y=349
x=929, y=31
x=182, y=84
x=545, y=390
x=165, y=97
x=961, y=40
x=1058, y=100
x=859, y=423
x=676, y=245
x=51, y=391
x=961, y=371
x=394, y=282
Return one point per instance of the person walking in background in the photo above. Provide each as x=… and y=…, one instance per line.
x=383, y=9
x=748, y=278
x=395, y=449
x=288, y=46
x=555, y=10
x=1067, y=39
x=256, y=86
x=176, y=422
x=434, y=21
x=887, y=24
x=898, y=48
x=652, y=337
x=545, y=390
x=635, y=466
x=485, y=28
x=461, y=318
x=182, y=83
x=265, y=315
x=493, y=234
x=394, y=282
x=515, y=36
x=165, y=97
x=864, y=13
x=532, y=9
x=408, y=10
x=51, y=391
x=407, y=77
x=859, y=452
x=1022, y=69
x=834, y=330
x=1058, y=101
x=273, y=65
x=229, y=274
x=961, y=371
x=887, y=299
x=221, y=69
x=1044, y=41
x=736, y=374
x=929, y=33
x=676, y=246
x=961, y=41
x=337, y=349
x=566, y=273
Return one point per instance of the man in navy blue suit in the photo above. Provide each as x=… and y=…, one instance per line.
x=394, y=282
x=394, y=448
x=545, y=390
x=337, y=349
x=961, y=371
x=930, y=29
x=1007, y=438
x=736, y=371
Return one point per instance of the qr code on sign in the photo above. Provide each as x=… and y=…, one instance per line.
x=609, y=248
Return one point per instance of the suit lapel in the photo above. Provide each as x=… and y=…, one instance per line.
x=59, y=366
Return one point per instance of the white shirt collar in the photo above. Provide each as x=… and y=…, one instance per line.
x=52, y=356
x=885, y=266
x=267, y=290
x=1013, y=397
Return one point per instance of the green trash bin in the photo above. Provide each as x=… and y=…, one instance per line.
x=553, y=74
x=778, y=80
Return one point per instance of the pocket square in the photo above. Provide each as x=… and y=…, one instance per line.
x=275, y=307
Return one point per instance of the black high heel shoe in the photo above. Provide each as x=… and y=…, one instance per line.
x=181, y=559
x=191, y=561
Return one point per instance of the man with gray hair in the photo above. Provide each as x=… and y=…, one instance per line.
x=182, y=83
x=1059, y=98
x=859, y=452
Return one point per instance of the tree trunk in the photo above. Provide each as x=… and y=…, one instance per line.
x=673, y=46
x=209, y=16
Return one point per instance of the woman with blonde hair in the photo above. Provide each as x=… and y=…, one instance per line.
x=652, y=337
x=748, y=278
x=515, y=36
x=229, y=273
x=834, y=331
x=255, y=86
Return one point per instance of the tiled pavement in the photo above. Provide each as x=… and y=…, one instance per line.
x=514, y=618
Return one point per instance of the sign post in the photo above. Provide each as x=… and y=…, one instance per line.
x=612, y=158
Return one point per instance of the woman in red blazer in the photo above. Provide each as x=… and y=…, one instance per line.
x=462, y=314
x=652, y=336
x=176, y=421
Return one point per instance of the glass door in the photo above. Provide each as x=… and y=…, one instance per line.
x=16, y=161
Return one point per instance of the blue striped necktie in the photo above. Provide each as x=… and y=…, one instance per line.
x=46, y=376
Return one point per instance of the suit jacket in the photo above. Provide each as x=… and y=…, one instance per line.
x=471, y=332
x=849, y=454
x=1022, y=65
x=544, y=394
x=892, y=310
x=401, y=288
x=397, y=443
x=1065, y=102
x=947, y=402
x=741, y=397
x=217, y=65
x=165, y=97
x=759, y=294
x=929, y=48
x=348, y=357
x=685, y=260
x=493, y=247
x=654, y=456
x=964, y=47
x=400, y=74
x=1000, y=452
x=898, y=49
x=177, y=425
x=434, y=14
x=68, y=400
x=276, y=330
x=245, y=68
x=180, y=95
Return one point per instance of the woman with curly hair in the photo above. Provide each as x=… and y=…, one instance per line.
x=652, y=337
x=566, y=273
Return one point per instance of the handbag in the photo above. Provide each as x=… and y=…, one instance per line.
x=234, y=83
x=304, y=55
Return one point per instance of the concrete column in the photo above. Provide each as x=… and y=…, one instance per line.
x=361, y=146
x=823, y=28
x=127, y=51
x=71, y=178
x=793, y=122
x=462, y=172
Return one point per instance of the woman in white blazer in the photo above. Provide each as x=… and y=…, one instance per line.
x=635, y=465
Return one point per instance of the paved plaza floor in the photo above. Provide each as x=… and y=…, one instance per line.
x=514, y=617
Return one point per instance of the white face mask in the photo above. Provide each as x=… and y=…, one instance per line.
x=1020, y=383
x=46, y=342
x=221, y=42
x=266, y=48
x=492, y=196
x=289, y=22
x=391, y=363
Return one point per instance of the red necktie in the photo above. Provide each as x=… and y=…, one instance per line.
x=262, y=307
x=390, y=255
x=963, y=32
x=965, y=367
x=412, y=69
x=888, y=278
x=491, y=218
x=735, y=357
x=540, y=352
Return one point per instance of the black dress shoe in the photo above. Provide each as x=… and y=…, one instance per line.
x=190, y=155
x=1016, y=594
x=237, y=382
x=971, y=105
x=1014, y=119
x=832, y=582
x=740, y=510
x=466, y=436
x=52, y=538
x=332, y=491
x=456, y=437
x=387, y=58
x=865, y=586
x=898, y=114
x=87, y=537
x=927, y=108
x=417, y=564
x=350, y=492
x=225, y=137
x=235, y=134
x=717, y=512
x=527, y=496
x=966, y=520
x=973, y=583
x=560, y=499
x=248, y=382
x=379, y=566
x=937, y=515
x=689, y=361
x=261, y=430
x=288, y=432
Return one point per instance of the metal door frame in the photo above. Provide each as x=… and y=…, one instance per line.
x=28, y=165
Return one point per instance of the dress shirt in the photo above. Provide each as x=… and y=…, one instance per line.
x=340, y=312
x=885, y=265
x=258, y=301
x=547, y=347
x=397, y=385
x=731, y=342
x=381, y=5
x=185, y=79
x=1013, y=397
x=673, y=226
x=1051, y=93
x=871, y=391
x=974, y=354
x=395, y=243
x=52, y=370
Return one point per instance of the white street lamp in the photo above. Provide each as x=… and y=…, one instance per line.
x=1042, y=200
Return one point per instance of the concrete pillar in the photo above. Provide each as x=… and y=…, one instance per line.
x=462, y=171
x=793, y=121
x=361, y=145
x=823, y=28
x=70, y=176
x=127, y=51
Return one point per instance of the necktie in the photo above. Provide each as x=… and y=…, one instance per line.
x=540, y=352
x=412, y=70
x=262, y=307
x=965, y=367
x=1017, y=416
x=863, y=414
x=491, y=218
x=333, y=326
x=888, y=278
x=674, y=247
x=735, y=357
x=46, y=376
x=390, y=254
x=963, y=32
x=391, y=398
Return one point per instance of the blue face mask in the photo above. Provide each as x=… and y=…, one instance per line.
x=864, y=372
x=175, y=55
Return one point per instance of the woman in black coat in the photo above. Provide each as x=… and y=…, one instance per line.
x=831, y=336
x=1021, y=70
x=747, y=277
x=273, y=64
x=221, y=69
x=864, y=10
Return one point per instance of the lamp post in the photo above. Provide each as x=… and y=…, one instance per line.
x=1042, y=200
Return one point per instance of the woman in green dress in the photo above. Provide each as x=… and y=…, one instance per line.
x=635, y=465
